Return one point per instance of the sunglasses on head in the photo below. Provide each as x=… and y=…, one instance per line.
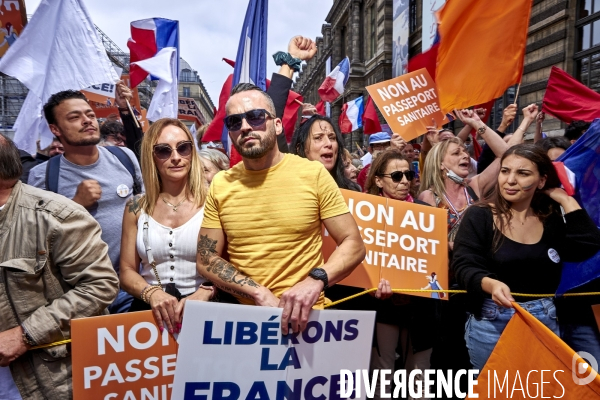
x=253, y=117
x=163, y=151
x=398, y=175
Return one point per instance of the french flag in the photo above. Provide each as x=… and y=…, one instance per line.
x=334, y=84
x=351, y=117
x=251, y=58
x=148, y=37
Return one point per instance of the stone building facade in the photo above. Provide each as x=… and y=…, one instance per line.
x=562, y=33
x=190, y=85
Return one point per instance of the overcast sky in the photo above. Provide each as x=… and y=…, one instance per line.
x=209, y=29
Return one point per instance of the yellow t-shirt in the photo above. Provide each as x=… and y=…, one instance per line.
x=272, y=219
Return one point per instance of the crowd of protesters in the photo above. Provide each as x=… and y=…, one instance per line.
x=176, y=224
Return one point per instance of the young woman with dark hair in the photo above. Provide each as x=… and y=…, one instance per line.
x=318, y=139
x=517, y=242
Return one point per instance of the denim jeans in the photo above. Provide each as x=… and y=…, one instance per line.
x=122, y=303
x=483, y=334
x=582, y=338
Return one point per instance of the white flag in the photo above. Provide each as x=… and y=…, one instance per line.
x=165, y=101
x=58, y=50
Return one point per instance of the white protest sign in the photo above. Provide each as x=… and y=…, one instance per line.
x=236, y=352
x=103, y=91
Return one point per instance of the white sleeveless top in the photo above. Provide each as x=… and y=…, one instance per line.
x=174, y=251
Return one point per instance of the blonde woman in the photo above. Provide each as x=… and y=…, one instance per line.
x=214, y=162
x=445, y=182
x=160, y=227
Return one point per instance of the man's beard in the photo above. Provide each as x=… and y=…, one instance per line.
x=82, y=142
x=265, y=144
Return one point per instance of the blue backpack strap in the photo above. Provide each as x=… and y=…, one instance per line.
x=128, y=164
x=52, y=172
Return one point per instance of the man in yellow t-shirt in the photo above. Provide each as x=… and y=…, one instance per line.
x=270, y=209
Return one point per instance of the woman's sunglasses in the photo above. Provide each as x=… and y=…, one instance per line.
x=253, y=117
x=163, y=151
x=398, y=175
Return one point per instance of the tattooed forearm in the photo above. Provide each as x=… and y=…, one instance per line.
x=228, y=273
x=134, y=204
x=233, y=291
x=206, y=248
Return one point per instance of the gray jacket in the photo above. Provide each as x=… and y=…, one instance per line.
x=53, y=267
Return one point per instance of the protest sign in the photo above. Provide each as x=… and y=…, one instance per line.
x=103, y=93
x=406, y=243
x=409, y=103
x=237, y=352
x=188, y=110
x=14, y=19
x=122, y=356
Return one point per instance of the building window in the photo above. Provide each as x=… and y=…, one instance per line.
x=343, y=43
x=186, y=76
x=413, y=23
x=186, y=91
x=372, y=31
x=587, y=51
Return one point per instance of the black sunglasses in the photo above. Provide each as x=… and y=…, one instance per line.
x=163, y=151
x=253, y=117
x=398, y=175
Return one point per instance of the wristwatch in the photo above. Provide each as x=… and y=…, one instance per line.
x=27, y=339
x=320, y=275
x=481, y=130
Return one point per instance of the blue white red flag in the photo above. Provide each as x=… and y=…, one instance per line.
x=251, y=58
x=333, y=86
x=148, y=38
x=583, y=160
x=351, y=117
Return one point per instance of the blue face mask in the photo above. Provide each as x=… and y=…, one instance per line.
x=454, y=177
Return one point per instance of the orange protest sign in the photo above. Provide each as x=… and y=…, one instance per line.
x=12, y=22
x=406, y=243
x=409, y=103
x=530, y=361
x=122, y=356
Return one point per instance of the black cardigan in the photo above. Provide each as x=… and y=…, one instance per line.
x=576, y=238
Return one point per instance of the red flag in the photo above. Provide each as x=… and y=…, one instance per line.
x=370, y=119
x=426, y=60
x=568, y=99
x=290, y=114
x=215, y=129
x=344, y=123
x=230, y=62
x=320, y=106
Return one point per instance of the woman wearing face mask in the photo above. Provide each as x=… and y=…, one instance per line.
x=444, y=182
x=517, y=242
x=160, y=227
x=318, y=139
x=409, y=318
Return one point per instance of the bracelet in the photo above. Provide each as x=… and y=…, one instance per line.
x=144, y=291
x=286, y=58
x=150, y=289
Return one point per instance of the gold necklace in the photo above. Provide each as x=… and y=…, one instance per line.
x=174, y=207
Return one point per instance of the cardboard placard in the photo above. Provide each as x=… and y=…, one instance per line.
x=406, y=243
x=409, y=103
x=122, y=356
x=188, y=110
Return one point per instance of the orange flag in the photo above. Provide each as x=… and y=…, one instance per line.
x=528, y=359
x=482, y=50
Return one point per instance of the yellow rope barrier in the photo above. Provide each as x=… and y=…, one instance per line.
x=42, y=346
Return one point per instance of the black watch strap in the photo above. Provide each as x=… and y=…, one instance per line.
x=321, y=275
